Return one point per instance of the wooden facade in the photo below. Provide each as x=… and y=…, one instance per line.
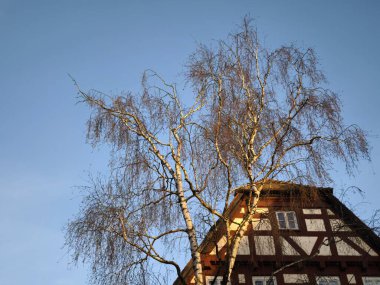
x=304, y=233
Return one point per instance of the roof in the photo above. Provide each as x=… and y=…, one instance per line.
x=274, y=188
x=281, y=186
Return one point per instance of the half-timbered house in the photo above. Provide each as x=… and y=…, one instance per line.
x=300, y=235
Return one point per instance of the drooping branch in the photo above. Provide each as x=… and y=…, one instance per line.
x=256, y=114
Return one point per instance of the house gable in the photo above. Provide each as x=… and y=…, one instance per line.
x=328, y=240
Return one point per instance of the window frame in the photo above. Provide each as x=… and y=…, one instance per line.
x=286, y=220
x=371, y=278
x=264, y=279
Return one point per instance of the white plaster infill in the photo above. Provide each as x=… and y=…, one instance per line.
x=345, y=249
x=324, y=249
x=261, y=225
x=286, y=248
x=244, y=246
x=241, y=278
x=315, y=225
x=351, y=279
x=296, y=278
x=337, y=225
x=359, y=242
x=222, y=242
x=306, y=243
x=264, y=245
x=312, y=211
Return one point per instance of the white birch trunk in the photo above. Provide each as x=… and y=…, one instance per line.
x=240, y=233
x=196, y=256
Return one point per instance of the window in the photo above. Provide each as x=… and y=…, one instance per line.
x=263, y=280
x=328, y=280
x=287, y=220
x=371, y=280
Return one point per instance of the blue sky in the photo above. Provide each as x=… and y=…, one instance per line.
x=106, y=45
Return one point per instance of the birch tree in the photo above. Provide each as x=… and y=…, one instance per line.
x=254, y=114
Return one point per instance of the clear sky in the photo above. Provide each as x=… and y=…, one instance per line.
x=106, y=45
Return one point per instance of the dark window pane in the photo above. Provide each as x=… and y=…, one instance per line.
x=281, y=220
x=291, y=220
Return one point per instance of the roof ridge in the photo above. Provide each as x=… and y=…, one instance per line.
x=278, y=185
